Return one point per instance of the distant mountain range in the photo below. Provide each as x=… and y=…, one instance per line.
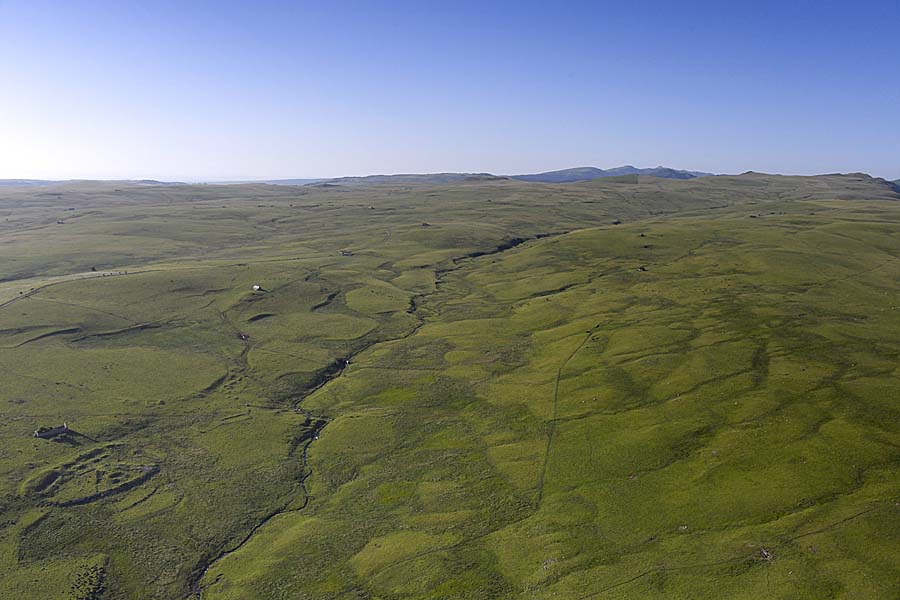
x=564, y=176
x=561, y=176
x=589, y=173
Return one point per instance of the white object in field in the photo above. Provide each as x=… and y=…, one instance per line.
x=256, y=288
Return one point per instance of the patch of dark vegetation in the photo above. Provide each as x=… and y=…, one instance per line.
x=40, y=485
x=70, y=438
x=309, y=431
x=123, y=331
x=690, y=443
x=214, y=291
x=507, y=245
x=234, y=416
x=328, y=299
x=89, y=584
x=760, y=366
x=215, y=384
x=127, y=427
x=18, y=275
x=20, y=330
x=260, y=317
x=324, y=375
x=558, y=290
x=49, y=334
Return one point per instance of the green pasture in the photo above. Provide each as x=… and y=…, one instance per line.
x=493, y=389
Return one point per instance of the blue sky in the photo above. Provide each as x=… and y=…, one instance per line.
x=233, y=90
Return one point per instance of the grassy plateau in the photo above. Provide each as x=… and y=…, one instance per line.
x=616, y=389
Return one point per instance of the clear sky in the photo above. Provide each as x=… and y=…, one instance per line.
x=196, y=90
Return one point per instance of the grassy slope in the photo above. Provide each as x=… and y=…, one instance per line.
x=550, y=419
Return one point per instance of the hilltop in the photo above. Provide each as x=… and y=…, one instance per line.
x=589, y=173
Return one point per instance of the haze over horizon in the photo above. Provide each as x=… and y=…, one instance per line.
x=226, y=91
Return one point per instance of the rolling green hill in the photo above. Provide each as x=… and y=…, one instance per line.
x=618, y=388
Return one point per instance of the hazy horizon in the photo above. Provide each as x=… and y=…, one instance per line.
x=194, y=180
x=226, y=91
